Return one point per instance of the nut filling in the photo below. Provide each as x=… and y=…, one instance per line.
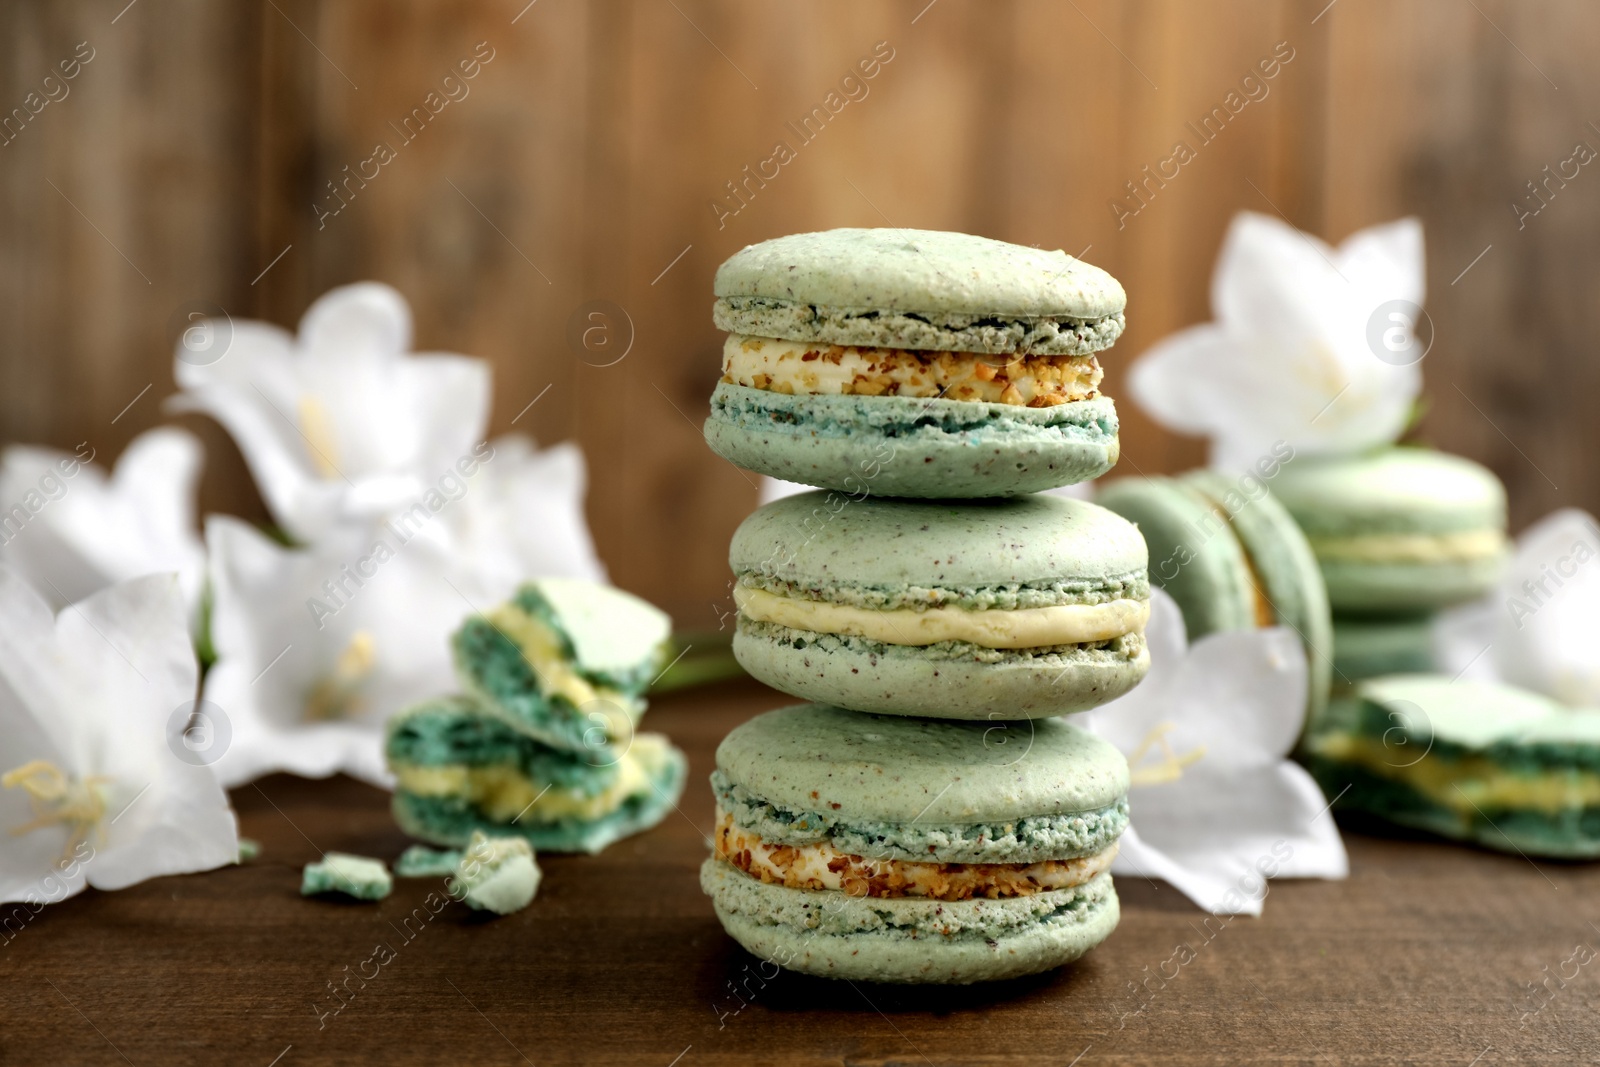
x=813, y=368
x=821, y=866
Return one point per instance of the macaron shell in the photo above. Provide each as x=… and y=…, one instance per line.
x=1408, y=587
x=816, y=539
x=1286, y=570
x=1194, y=555
x=920, y=271
x=898, y=770
x=878, y=939
x=1392, y=490
x=911, y=680
x=902, y=446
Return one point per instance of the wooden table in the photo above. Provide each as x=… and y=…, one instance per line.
x=1425, y=955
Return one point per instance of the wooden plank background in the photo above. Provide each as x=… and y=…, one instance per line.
x=190, y=150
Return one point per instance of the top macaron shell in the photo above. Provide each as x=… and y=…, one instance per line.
x=893, y=552
x=919, y=289
x=1409, y=492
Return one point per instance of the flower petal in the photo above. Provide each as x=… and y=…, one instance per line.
x=1547, y=618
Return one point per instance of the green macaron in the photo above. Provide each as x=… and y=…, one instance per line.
x=1399, y=529
x=1233, y=559
x=889, y=849
x=1475, y=761
x=914, y=363
x=1005, y=608
x=462, y=767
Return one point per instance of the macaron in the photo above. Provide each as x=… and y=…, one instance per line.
x=1372, y=646
x=461, y=767
x=914, y=363
x=565, y=660
x=1007, y=608
x=1233, y=559
x=887, y=849
x=1399, y=529
x=1475, y=761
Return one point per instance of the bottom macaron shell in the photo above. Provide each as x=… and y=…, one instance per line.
x=936, y=681
x=910, y=939
x=902, y=446
x=1408, y=587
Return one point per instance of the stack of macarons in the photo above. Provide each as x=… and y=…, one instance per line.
x=1398, y=534
x=925, y=818
x=542, y=743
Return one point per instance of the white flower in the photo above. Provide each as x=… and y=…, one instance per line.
x=72, y=531
x=1540, y=628
x=339, y=423
x=94, y=704
x=1293, y=352
x=318, y=647
x=1217, y=806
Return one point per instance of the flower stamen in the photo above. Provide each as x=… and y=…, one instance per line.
x=1169, y=767
x=317, y=428
x=58, y=798
x=338, y=696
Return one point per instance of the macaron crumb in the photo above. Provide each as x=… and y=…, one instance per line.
x=360, y=877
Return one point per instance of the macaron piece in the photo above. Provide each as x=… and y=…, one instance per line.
x=565, y=660
x=497, y=874
x=1474, y=761
x=461, y=767
x=914, y=363
x=1400, y=529
x=1009, y=608
x=341, y=872
x=1373, y=646
x=889, y=849
x=1233, y=559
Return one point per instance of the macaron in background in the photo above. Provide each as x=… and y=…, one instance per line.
x=888, y=849
x=1473, y=761
x=1005, y=608
x=1372, y=646
x=1399, y=529
x=914, y=363
x=1233, y=559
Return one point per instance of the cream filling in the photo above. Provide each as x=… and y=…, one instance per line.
x=1460, y=547
x=541, y=647
x=1059, y=624
x=1468, y=784
x=802, y=368
x=504, y=794
x=821, y=866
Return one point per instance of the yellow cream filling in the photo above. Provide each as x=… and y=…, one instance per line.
x=1462, y=784
x=796, y=367
x=1462, y=546
x=1060, y=624
x=821, y=866
x=503, y=794
x=541, y=647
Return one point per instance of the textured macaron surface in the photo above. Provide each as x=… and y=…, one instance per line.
x=894, y=770
x=1394, y=490
x=918, y=289
x=1020, y=552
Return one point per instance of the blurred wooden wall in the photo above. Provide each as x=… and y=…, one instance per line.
x=192, y=148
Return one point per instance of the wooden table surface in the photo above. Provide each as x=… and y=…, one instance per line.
x=1426, y=955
